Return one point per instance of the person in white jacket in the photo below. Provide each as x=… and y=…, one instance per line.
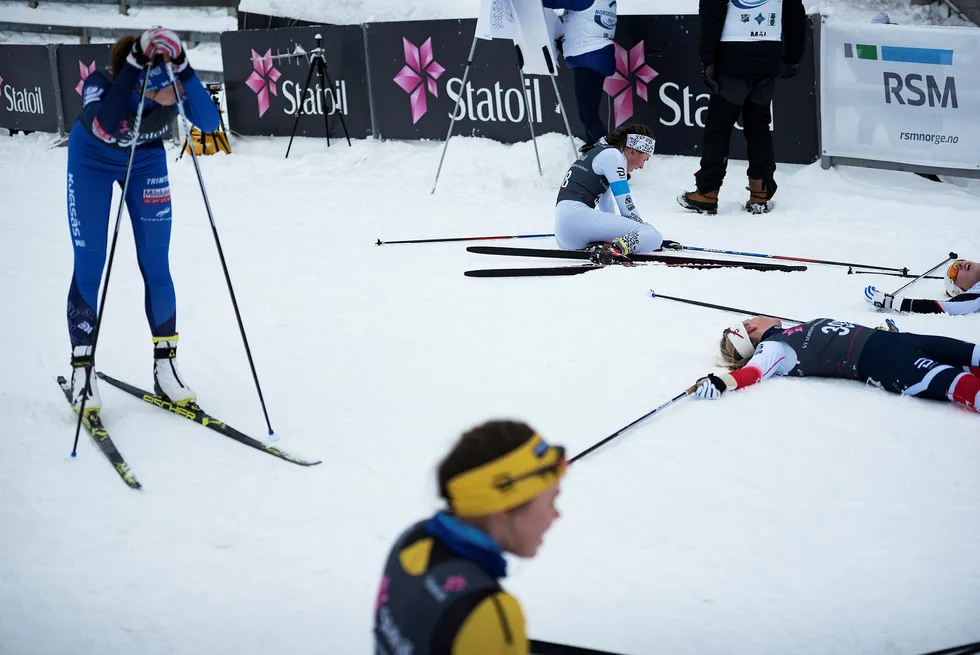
x=589, y=52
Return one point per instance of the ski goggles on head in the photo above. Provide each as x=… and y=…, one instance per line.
x=641, y=143
x=954, y=269
x=508, y=481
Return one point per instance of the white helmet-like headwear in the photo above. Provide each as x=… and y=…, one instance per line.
x=949, y=280
x=739, y=338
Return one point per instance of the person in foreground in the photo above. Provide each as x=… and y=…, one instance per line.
x=440, y=592
x=962, y=280
x=98, y=158
x=924, y=366
x=596, y=182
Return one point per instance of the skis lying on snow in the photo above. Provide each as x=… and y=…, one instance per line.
x=669, y=260
x=193, y=412
x=575, y=269
x=93, y=425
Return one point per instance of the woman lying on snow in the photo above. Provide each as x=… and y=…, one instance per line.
x=962, y=282
x=910, y=364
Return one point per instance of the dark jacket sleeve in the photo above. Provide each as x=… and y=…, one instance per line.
x=106, y=104
x=794, y=31
x=198, y=103
x=712, y=14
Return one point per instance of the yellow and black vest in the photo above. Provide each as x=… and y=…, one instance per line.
x=433, y=601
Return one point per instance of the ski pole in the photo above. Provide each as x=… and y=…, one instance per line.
x=217, y=242
x=952, y=256
x=795, y=259
x=722, y=307
x=684, y=394
x=112, y=254
x=446, y=240
x=925, y=277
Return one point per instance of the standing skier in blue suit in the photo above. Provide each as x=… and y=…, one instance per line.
x=98, y=154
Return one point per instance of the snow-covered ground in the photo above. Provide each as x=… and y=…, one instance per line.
x=801, y=516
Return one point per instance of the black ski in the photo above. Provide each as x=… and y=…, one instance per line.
x=93, y=425
x=664, y=259
x=193, y=412
x=555, y=271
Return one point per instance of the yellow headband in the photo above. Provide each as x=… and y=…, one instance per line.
x=508, y=481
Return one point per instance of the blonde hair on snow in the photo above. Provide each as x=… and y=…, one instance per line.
x=733, y=360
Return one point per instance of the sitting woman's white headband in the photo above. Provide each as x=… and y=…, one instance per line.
x=641, y=142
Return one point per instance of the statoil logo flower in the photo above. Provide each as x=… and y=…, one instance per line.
x=84, y=71
x=263, y=79
x=419, y=73
x=619, y=85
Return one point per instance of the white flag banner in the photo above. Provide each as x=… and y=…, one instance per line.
x=525, y=22
x=902, y=94
x=497, y=20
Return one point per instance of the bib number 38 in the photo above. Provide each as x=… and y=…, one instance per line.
x=840, y=328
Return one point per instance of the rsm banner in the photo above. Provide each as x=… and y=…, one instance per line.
x=901, y=94
x=27, y=98
x=265, y=92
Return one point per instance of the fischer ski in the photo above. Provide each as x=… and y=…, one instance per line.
x=93, y=425
x=651, y=257
x=192, y=411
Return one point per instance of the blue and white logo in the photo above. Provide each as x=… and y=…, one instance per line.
x=749, y=4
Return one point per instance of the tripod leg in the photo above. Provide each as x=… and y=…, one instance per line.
x=452, y=119
x=321, y=66
x=339, y=106
x=299, y=109
x=527, y=106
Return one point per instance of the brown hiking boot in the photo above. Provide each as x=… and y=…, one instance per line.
x=703, y=203
x=759, y=196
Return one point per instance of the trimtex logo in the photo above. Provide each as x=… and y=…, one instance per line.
x=84, y=71
x=263, y=79
x=619, y=85
x=419, y=73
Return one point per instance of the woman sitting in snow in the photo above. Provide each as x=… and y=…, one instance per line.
x=585, y=214
x=910, y=364
x=962, y=282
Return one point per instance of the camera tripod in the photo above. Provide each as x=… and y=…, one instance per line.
x=318, y=61
x=219, y=144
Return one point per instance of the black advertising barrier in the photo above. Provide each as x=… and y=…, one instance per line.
x=263, y=95
x=658, y=82
x=75, y=64
x=27, y=98
x=416, y=71
x=416, y=77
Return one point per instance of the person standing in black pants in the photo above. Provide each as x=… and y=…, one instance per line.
x=587, y=45
x=746, y=45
